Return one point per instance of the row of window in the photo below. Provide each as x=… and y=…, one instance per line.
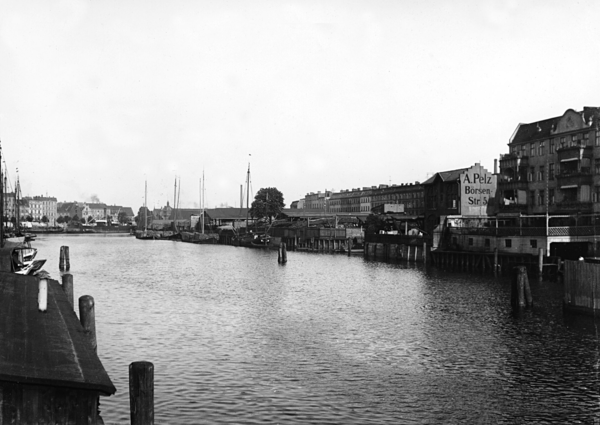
x=539, y=148
x=533, y=243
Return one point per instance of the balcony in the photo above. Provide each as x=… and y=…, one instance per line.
x=522, y=208
x=514, y=161
x=579, y=177
x=570, y=205
x=574, y=153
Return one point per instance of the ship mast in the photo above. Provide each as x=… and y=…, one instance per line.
x=247, y=195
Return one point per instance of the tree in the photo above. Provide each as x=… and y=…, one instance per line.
x=82, y=220
x=45, y=219
x=29, y=218
x=267, y=203
x=60, y=220
x=90, y=219
x=75, y=218
x=374, y=223
x=122, y=218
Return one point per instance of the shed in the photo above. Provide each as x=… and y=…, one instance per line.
x=49, y=371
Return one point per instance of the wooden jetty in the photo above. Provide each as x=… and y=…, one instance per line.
x=49, y=369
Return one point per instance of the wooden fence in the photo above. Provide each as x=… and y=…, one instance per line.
x=582, y=286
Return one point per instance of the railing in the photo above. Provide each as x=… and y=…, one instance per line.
x=527, y=231
x=397, y=239
x=574, y=205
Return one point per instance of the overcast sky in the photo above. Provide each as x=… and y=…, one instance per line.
x=96, y=97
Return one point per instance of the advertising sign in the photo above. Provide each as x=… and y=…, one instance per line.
x=478, y=190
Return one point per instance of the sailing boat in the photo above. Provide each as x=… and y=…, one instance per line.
x=143, y=234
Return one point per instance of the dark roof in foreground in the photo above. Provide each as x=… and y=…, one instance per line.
x=45, y=348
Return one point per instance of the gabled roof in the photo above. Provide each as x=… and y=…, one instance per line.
x=451, y=175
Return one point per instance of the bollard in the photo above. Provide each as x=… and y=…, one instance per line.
x=87, y=317
x=540, y=262
x=141, y=393
x=283, y=253
x=43, y=295
x=67, y=285
x=424, y=252
x=61, y=261
x=521, y=291
x=67, y=259
x=495, y=261
x=279, y=254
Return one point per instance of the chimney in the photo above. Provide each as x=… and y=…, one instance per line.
x=495, y=166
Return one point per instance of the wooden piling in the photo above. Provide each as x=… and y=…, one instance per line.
x=67, y=259
x=540, y=262
x=424, y=252
x=67, y=286
x=61, y=261
x=495, y=261
x=283, y=253
x=141, y=393
x=521, y=291
x=87, y=317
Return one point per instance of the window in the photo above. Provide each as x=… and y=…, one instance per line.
x=532, y=149
x=541, y=199
x=596, y=194
x=508, y=243
x=487, y=243
x=551, y=196
x=597, y=165
x=551, y=171
x=533, y=243
x=532, y=197
x=541, y=176
x=552, y=145
x=542, y=148
x=531, y=176
x=470, y=241
x=562, y=142
x=597, y=138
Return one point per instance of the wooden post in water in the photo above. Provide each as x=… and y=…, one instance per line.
x=495, y=261
x=540, y=262
x=283, y=253
x=87, y=317
x=424, y=252
x=521, y=291
x=141, y=393
x=61, y=261
x=67, y=285
x=67, y=259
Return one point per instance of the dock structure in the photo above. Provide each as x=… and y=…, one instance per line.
x=49, y=369
x=581, y=287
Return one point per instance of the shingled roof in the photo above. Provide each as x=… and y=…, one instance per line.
x=446, y=175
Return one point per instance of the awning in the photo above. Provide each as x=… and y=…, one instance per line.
x=569, y=186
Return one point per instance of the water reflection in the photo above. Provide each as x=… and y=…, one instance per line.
x=238, y=338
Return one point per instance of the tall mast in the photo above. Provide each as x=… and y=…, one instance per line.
x=247, y=195
x=17, y=203
x=145, y=207
x=202, y=201
x=175, y=201
x=1, y=203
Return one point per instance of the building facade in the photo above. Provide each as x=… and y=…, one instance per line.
x=42, y=206
x=553, y=166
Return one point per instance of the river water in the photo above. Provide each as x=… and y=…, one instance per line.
x=237, y=338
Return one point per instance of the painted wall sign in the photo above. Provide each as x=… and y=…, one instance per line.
x=477, y=191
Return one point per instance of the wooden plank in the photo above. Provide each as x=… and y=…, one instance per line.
x=45, y=348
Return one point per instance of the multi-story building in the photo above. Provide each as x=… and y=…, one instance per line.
x=462, y=192
x=553, y=165
x=350, y=200
x=409, y=196
x=317, y=201
x=42, y=206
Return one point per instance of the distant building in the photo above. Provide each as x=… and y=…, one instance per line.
x=42, y=206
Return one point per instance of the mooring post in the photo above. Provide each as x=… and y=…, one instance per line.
x=141, y=393
x=521, y=291
x=424, y=252
x=67, y=260
x=279, y=253
x=67, y=285
x=495, y=261
x=87, y=317
x=43, y=295
x=61, y=261
x=540, y=262
x=283, y=253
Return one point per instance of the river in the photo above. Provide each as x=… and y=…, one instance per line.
x=236, y=337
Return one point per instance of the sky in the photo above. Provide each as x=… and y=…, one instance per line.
x=98, y=98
